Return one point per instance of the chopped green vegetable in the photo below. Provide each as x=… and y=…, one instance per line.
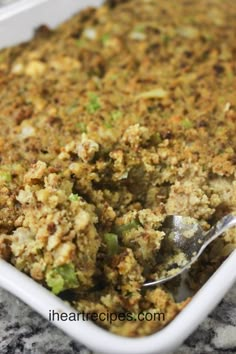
x=128, y=294
x=5, y=176
x=113, y=77
x=105, y=38
x=73, y=197
x=187, y=124
x=80, y=42
x=108, y=124
x=112, y=243
x=55, y=282
x=156, y=138
x=156, y=93
x=82, y=127
x=94, y=103
x=127, y=227
x=62, y=278
x=114, y=116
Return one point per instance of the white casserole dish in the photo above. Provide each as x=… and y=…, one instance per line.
x=17, y=23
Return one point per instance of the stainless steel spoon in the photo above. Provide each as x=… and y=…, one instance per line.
x=186, y=236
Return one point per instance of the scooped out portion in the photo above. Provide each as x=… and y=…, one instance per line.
x=123, y=115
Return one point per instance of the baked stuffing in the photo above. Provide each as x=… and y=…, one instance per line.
x=119, y=117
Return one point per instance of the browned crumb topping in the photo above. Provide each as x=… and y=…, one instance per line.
x=119, y=117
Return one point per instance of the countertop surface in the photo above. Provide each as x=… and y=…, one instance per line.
x=23, y=331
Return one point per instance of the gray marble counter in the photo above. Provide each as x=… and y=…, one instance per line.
x=23, y=331
x=6, y=2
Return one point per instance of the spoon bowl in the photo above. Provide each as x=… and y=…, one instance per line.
x=186, y=239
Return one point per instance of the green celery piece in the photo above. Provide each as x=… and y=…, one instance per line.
x=82, y=127
x=112, y=243
x=62, y=278
x=94, y=103
x=73, y=197
x=127, y=227
x=187, y=124
x=105, y=38
x=116, y=115
x=5, y=176
x=55, y=282
x=113, y=117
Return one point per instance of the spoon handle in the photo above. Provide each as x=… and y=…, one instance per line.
x=219, y=228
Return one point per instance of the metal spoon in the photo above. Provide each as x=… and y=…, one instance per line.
x=185, y=235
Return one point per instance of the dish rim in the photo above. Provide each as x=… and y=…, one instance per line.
x=164, y=341
x=42, y=300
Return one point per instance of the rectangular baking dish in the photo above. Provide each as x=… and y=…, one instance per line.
x=17, y=23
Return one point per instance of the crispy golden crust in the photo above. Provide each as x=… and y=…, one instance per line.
x=119, y=117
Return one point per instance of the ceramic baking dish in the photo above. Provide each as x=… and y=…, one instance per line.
x=17, y=23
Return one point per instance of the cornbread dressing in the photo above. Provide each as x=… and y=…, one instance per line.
x=119, y=117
